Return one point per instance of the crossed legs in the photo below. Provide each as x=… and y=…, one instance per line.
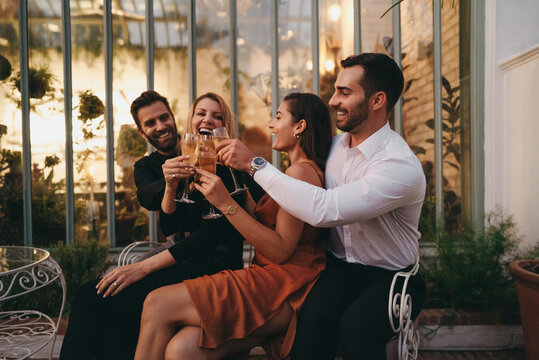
x=170, y=328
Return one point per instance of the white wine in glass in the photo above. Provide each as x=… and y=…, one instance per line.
x=207, y=160
x=189, y=146
x=220, y=134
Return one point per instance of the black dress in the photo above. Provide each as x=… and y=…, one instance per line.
x=108, y=328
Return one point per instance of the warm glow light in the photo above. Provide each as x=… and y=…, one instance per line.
x=52, y=27
x=240, y=41
x=309, y=65
x=335, y=12
x=91, y=170
x=330, y=65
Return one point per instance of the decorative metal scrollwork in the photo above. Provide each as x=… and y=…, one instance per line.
x=129, y=255
x=24, y=270
x=27, y=280
x=400, y=308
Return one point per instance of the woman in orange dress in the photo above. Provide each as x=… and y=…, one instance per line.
x=226, y=314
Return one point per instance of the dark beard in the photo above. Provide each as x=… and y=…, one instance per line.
x=356, y=117
x=167, y=149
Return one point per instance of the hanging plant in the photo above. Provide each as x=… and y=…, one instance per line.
x=90, y=108
x=5, y=68
x=130, y=143
x=39, y=82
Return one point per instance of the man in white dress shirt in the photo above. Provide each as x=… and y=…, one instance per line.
x=375, y=188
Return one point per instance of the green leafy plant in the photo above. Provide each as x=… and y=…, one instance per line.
x=40, y=82
x=471, y=267
x=130, y=143
x=90, y=107
x=10, y=194
x=48, y=200
x=451, y=133
x=80, y=262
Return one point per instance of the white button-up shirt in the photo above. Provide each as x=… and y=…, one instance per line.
x=373, y=199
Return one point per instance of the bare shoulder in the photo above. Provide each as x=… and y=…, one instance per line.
x=305, y=172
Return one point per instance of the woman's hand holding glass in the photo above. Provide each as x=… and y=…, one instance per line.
x=190, y=147
x=207, y=160
x=213, y=189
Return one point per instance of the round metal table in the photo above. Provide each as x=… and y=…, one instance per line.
x=24, y=270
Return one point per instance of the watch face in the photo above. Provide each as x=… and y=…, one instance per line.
x=259, y=161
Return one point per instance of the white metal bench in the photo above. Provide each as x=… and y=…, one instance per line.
x=405, y=344
x=400, y=307
x=134, y=251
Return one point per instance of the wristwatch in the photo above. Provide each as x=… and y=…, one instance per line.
x=256, y=164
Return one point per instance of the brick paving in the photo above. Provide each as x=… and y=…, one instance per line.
x=513, y=354
x=473, y=355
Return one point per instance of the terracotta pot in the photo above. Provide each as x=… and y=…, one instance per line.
x=528, y=299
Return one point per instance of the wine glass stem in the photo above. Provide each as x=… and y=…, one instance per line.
x=186, y=189
x=236, y=187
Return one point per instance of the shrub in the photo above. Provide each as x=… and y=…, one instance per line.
x=471, y=269
x=80, y=264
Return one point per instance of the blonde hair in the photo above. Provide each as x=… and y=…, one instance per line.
x=229, y=122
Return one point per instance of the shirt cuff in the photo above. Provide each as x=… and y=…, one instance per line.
x=267, y=175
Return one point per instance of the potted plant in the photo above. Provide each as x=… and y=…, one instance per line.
x=40, y=82
x=5, y=68
x=90, y=107
x=526, y=274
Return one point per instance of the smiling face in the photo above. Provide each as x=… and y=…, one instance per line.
x=158, y=127
x=207, y=116
x=284, y=128
x=349, y=99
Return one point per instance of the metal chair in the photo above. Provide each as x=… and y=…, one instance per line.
x=400, y=307
x=134, y=251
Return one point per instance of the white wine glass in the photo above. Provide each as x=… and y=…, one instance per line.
x=220, y=134
x=207, y=160
x=189, y=146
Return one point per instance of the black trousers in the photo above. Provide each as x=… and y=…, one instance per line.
x=347, y=310
x=108, y=328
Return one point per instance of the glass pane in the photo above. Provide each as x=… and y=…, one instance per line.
x=212, y=47
x=456, y=114
x=129, y=80
x=418, y=98
x=11, y=215
x=336, y=43
x=294, y=47
x=46, y=113
x=376, y=32
x=254, y=73
x=170, y=49
x=89, y=137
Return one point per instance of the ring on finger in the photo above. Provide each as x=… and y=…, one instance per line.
x=173, y=176
x=115, y=283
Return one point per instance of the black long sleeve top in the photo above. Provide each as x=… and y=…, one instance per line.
x=194, y=236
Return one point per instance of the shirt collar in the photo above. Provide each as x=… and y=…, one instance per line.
x=369, y=147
